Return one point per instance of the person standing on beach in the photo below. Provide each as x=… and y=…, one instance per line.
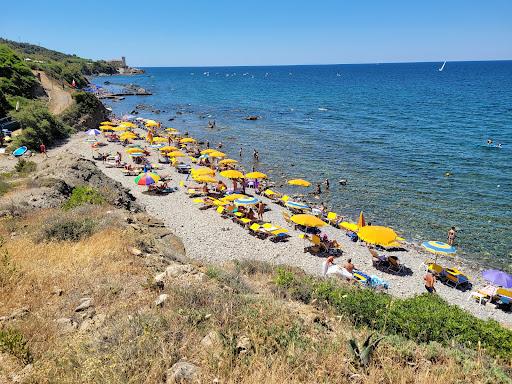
x=430, y=280
x=256, y=155
x=220, y=145
x=318, y=189
x=42, y=149
x=452, y=234
x=261, y=210
x=240, y=152
x=326, y=182
x=207, y=144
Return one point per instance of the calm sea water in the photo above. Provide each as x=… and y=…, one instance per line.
x=392, y=130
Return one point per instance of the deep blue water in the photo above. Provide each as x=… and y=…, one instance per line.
x=392, y=130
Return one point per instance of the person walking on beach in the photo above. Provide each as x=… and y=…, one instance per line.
x=42, y=149
x=207, y=144
x=452, y=234
x=430, y=280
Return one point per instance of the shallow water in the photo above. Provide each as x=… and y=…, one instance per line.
x=392, y=130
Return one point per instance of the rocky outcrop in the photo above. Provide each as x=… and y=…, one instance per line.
x=183, y=372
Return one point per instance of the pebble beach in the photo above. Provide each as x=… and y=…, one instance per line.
x=209, y=238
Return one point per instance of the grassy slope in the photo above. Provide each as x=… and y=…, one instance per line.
x=130, y=340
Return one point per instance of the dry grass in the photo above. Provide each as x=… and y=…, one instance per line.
x=137, y=343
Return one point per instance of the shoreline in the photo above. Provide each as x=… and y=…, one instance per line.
x=208, y=237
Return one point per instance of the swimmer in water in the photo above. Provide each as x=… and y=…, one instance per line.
x=489, y=141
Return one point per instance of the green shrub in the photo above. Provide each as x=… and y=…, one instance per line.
x=232, y=280
x=13, y=342
x=68, y=230
x=16, y=78
x=24, y=166
x=39, y=126
x=4, y=186
x=423, y=318
x=85, y=104
x=83, y=195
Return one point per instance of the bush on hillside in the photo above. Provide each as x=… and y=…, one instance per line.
x=25, y=167
x=13, y=342
x=86, y=104
x=84, y=195
x=68, y=230
x=38, y=126
x=4, y=105
x=423, y=318
x=16, y=78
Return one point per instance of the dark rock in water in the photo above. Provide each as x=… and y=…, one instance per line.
x=171, y=118
x=157, y=111
x=107, y=82
x=252, y=118
x=179, y=113
x=134, y=112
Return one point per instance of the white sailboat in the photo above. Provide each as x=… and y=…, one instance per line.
x=442, y=67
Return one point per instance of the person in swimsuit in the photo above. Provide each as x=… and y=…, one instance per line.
x=430, y=280
x=452, y=234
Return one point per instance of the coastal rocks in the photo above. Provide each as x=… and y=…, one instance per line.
x=16, y=314
x=85, y=303
x=159, y=302
x=177, y=270
x=252, y=118
x=243, y=345
x=183, y=372
x=66, y=324
x=212, y=340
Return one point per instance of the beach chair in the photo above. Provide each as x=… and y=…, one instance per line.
x=220, y=210
x=455, y=278
x=332, y=218
x=254, y=229
x=276, y=233
x=504, y=297
x=436, y=270
x=287, y=218
x=282, y=201
x=394, y=264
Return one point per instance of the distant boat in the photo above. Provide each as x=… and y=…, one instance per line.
x=338, y=74
x=442, y=67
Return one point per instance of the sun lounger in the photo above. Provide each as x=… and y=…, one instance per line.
x=504, y=296
x=255, y=229
x=394, y=264
x=275, y=233
x=195, y=192
x=332, y=218
x=287, y=218
x=455, y=277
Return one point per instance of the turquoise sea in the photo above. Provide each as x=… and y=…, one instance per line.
x=392, y=130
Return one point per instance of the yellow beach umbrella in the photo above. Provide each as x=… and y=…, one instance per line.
x=134, y=150
x=176, y=154
x=299, y=182
x=127, y=135
x=159, y=139
x=232, y=174
x=350, y=226
x=119, y=128
x=217, y=154
x=228, y=161
x=105, y=128
x=151, y=123
x=308, y=220
x=204, y=179
x=255, y=175
x=188, y=140
x=128, y=124
x=171, y=129
x=203, y=171
x=233, y=197
x=207, y=151
x=375, y=234
x=168, y=148
x=107, y=123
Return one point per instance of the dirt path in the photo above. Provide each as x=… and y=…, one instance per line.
x=58, y=98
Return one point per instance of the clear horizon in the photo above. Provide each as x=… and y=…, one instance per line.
x=227, y=33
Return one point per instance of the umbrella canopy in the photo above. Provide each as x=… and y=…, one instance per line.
x=151, y=123
x=176, y=154
x=171, y=129
x=203, y=171
x=308, y=220
x=107, y=123
x=133, y=150
x=119, y=129
x=299, y=182
x=499, y=278
x=296, y=205
x=137, y=154
x=106, y=128
x=217, y=154
x=255, y=175
x=159, y=139
x=147, y=178
x=204, y=178
x=207, y=151
x=439, y=248
x=188, y=140
x=168, y=148
x=232, y=174
x=350, y=226
x=228, y=161
x=234, y=197
x=247, y=201
x=375, y=234
x=93, y=132
x=128, y=124
x=361, y=222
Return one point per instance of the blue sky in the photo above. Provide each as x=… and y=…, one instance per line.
x=221, y=32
